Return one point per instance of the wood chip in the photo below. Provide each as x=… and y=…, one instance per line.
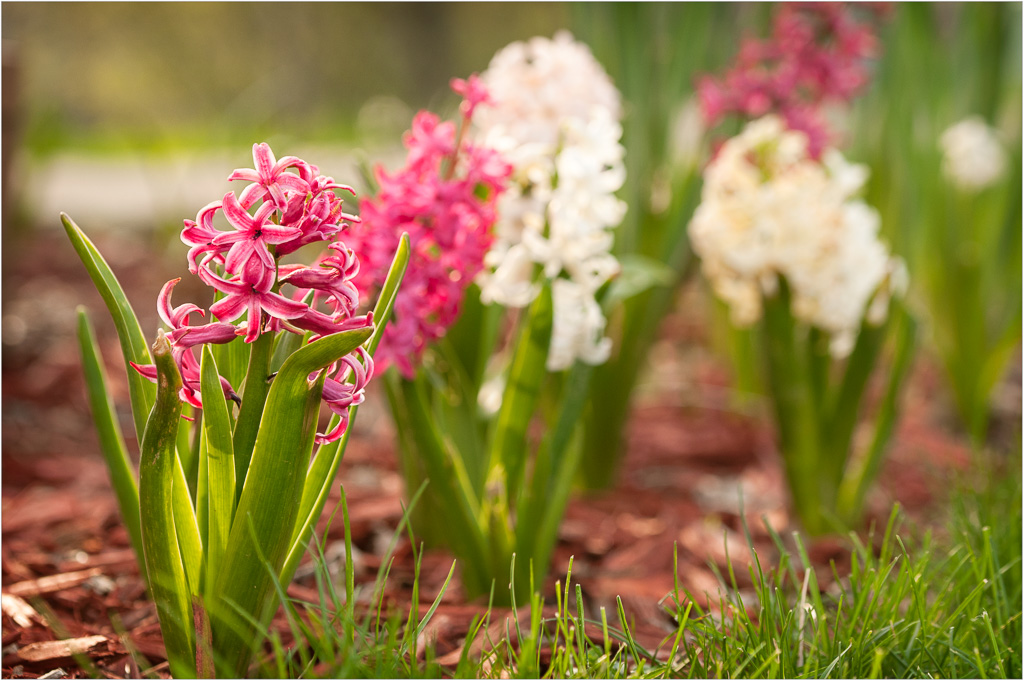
x=18, y=610
x=53, y=650
x=52, y=583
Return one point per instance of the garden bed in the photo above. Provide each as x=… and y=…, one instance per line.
x=67, y=556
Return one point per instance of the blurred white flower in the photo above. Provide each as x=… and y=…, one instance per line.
x=973, y=157
x=555, y=119
x=769, y=209
x=578, y=327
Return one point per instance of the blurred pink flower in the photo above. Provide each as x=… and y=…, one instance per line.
x=817, y=53
x=445, y=199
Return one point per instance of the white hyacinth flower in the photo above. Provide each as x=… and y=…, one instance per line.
x=973, y=157
x=555, y=119
x=768, y=209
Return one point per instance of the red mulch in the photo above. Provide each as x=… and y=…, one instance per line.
x=68, y=571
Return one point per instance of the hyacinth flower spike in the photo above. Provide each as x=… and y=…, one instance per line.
x=252, y=498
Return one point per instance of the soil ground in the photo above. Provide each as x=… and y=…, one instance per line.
x=691, y=450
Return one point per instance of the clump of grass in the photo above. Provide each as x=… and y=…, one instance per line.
x=945, y=605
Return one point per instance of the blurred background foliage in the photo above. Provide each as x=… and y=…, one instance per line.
x=127, y=114
x=162, y=75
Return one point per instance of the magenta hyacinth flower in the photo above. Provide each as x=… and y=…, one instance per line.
x=445, y=199
x=277, y=213
x=816, y=54
x=269, y=178
x=183, y=338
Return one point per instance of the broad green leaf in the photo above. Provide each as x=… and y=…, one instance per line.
x=168, y=582
x=119, y=465
x=187, y=528
x=539, y=518
x=842, y=413
x=271, y=495
x=220, y=463
x=232, y=360
x=451, y=486
x=133, y=343
x=638, y=274
x=321, y=474
x=509, y=442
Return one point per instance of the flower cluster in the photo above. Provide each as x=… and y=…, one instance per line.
x=275, y=214
x=816, y=54
x=972, y=156
x=555, y=119
x=445, y=199
x=769, y=209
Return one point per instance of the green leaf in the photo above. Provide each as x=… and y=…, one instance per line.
x=796, y=415
x=321, y=475
x=156, y=479
x=539, y=518
x=271, y=495
x=119, y=466
x=522, y=392
x=389, y=291
x=450, y=484
x=843, y=412
x=220, y=463
x=855, y=488
x=133, y=343
x=639, y=273
x=187, y=528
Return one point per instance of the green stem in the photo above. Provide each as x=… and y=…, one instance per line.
x=796, y=416
x=251, y=412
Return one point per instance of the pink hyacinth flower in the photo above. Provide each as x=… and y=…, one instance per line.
x=270, y=177
x=245, y=297
x=252, y=235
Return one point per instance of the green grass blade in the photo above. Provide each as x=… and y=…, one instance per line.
x=168, y=582
x=119, y=466
x=220, y=464
x=271, y=494
x=133, y=342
